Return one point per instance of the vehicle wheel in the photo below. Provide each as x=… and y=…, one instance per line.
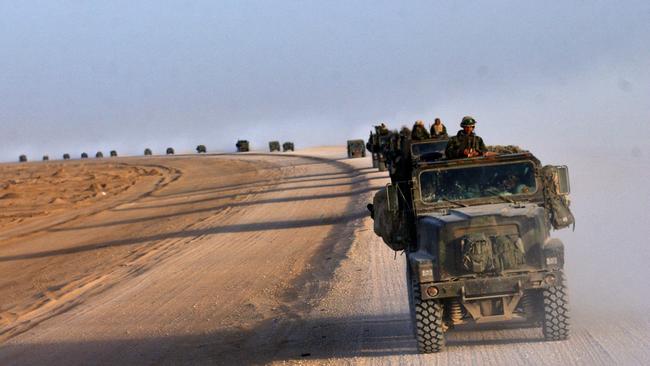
x=426, y=317
x=555, y=325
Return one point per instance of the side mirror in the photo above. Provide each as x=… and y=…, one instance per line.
x=563, y=185
x=391, y=193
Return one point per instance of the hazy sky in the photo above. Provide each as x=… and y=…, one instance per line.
x=98, y=75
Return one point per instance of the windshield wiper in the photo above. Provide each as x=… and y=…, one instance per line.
x=454, y=202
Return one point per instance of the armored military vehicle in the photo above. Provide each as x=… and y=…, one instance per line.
x=288, y=146
x=242, y=146
x=356, y=149
x=376, y=144
x=113, y=153
x=370, y=146
x=169, y=151
x=477, y=238
x=22, y=158
x=274, y=146
x=147, y=151
x=99, y=155
x=66, y=156
x=84, y=155
x=46, y=157
x=201, y=149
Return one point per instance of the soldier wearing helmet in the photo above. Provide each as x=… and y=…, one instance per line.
x=466, y=144
x=419, y=132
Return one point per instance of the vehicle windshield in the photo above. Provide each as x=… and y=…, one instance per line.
x=424, y=148
x=462, y=183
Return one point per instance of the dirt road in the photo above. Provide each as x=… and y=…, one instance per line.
x=242, y=259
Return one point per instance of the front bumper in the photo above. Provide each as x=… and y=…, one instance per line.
x=490, y=287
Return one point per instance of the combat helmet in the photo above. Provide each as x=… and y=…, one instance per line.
x=468, y=121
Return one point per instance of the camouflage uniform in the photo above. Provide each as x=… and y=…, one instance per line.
x=463, y=141
x=419, y=132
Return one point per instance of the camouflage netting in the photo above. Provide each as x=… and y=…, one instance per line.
x=387, y=224
x=557, y=205
x=505, y=149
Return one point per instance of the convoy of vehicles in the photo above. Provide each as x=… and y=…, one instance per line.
x=476, y=232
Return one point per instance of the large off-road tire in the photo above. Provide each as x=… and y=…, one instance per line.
x=555, y=324
x=426, y=317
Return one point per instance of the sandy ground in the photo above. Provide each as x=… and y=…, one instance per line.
x=232, y=259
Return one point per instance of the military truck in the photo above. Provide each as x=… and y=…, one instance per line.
x=22, y=158
x=169, y=151
x=242, y=145
x=147, y=151
x=66, y=156
x=201, y=149
x=99, y=155
x=274, y=146
x=376, y=144
x=370, y=146
x=288, y=146
x=46, y=157
x=477, y=237
x=356, y=149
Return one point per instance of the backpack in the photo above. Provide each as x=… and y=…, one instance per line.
x=477, y=254
x=557, y=205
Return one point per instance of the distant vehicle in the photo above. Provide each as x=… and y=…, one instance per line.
x=201, y=149
x=287, y=146
x=274, y=146
x=99, y=155
x=170, y=151
x=356, y=149
x=242, y=146
x=22, y=158
x=113, y=153
x=46, y=157
x=376, y=144
x=372, y=145
x=66, y=156
x=147, y=151
x=84, y=155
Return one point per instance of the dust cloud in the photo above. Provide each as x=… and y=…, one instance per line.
x=607, y=255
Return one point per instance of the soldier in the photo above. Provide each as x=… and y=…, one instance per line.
x=405, y=132
x=438, y=130
x=382, y=130
x=465, y=144
x=419, y=132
